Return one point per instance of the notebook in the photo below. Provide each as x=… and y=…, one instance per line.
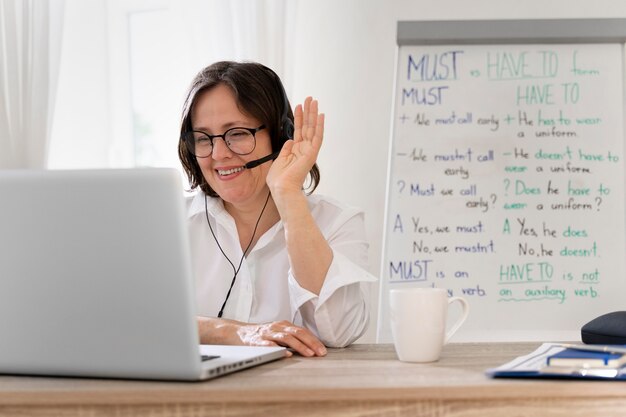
x=95, y=279
x=581, y=358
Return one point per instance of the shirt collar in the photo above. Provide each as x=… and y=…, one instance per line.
x=215, y=206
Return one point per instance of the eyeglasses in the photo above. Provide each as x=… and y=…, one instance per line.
x=240, y=140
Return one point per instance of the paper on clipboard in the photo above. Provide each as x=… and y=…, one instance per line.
x=533, y=362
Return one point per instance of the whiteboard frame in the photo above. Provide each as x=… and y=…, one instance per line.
x=495, y=32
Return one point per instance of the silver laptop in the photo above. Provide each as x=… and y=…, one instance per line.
x=95, y=279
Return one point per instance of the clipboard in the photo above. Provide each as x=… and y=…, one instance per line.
x=534, y=365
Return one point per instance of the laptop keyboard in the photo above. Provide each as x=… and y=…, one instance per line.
x=205, y=358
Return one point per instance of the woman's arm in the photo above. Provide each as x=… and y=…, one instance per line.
x=325, y=282
x=310, y=255
x=340, y=313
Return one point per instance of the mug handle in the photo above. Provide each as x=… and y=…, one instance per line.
x=460, y=321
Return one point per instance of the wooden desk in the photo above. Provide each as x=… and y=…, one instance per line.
x=363, y=380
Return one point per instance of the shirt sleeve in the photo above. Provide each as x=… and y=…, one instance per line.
x=340, y=314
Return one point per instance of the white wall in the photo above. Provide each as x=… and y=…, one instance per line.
x=345, y=55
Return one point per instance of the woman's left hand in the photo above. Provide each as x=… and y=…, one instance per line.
x=298, y=156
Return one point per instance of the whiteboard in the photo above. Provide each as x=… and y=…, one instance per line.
x=506, y=185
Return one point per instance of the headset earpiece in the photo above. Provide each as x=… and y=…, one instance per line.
x=286, y=124
x=287, y=130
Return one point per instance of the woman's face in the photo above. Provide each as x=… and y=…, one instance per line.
x=214, y=112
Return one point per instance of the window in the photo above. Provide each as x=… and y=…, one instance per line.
x=149, y=78
x=122, y=82
x=155, y=97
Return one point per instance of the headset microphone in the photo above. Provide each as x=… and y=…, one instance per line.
x=260, y=161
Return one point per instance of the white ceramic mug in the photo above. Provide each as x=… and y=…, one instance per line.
x=418, y=322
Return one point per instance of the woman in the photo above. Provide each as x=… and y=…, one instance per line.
x=273, y=265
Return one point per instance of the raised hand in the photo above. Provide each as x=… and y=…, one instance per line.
x=296, y=158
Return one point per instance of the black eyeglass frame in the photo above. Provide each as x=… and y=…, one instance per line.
x=190, y=140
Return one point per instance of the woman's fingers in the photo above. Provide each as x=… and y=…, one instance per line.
x=312, y=120
x=319, y=131
x=298, y=338
x=306, y=120
x=297, y=119
x=287, y=340
x=305, y=117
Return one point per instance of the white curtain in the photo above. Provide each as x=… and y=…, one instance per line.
x=30, y=35
x=97, y=57
x=239, y=30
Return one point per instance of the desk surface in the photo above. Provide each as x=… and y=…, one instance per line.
x=360, y=380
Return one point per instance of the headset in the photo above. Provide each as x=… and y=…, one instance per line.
x=285, y=124
x=286, y=133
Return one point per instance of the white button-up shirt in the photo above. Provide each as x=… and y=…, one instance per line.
x=265, y=289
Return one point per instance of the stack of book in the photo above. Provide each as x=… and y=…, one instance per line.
x=587, y=360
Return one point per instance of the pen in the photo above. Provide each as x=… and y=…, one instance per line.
x=594, y=348
x=580, y=372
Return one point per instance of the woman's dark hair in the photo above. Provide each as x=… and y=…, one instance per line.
x=259, y=93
